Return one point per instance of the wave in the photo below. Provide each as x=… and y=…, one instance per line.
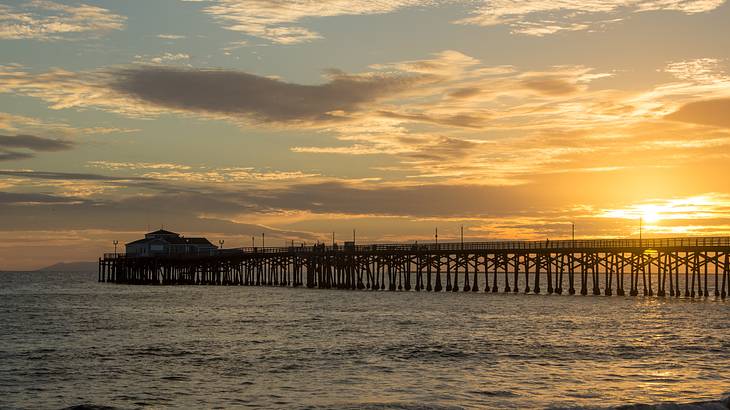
x=723, y=404
x=701, y=405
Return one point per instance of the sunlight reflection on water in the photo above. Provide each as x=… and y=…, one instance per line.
x=76, y=341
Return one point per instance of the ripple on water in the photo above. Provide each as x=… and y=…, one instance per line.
x=206, y=347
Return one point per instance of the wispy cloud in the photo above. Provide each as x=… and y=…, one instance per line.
x=539, y=18
x=276, y=21
x=49, y=20
x=22, y=124
x=284, y=22
x=171, y=36
x=200, y=174
x=164, y=58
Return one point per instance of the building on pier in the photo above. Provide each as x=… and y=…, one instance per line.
x=162, y=242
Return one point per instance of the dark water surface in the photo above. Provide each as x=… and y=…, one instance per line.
x=66, y=340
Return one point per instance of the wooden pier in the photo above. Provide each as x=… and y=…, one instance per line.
x=675, y=267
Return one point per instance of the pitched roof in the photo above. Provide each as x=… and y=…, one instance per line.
x=175, y=240
x=162, y=232
x=199, y=241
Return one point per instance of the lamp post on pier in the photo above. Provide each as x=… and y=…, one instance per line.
x=221, y=243
x=462, y=236
x=572, y=236
x=115, y=242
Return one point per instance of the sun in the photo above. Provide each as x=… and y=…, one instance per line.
x=650, y=213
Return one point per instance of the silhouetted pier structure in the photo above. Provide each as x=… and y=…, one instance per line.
x=688, y=267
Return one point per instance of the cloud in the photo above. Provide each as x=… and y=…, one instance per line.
x=9, y=145
x=171, y=36
x=14, y=155
x=48, y=20
x=21, y=124
x=190, y=174
x=164, y=58
x=714, y=112
x=115, y=166
x=515, y=123
x=550, y=85
x=450, y=89
x=467, y=120
x=704, y=70
x=16, y=198
x=34, y=143
x=65, y=176
x=543, y=17
x=274, y=20
x=264, y=99
x=282, y=22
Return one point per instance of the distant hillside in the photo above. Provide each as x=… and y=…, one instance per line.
x=80, y=267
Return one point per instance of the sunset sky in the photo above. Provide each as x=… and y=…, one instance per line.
x=229, y=118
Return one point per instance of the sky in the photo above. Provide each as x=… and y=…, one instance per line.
x=295, y=119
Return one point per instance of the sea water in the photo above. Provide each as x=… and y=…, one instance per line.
x=66, y=340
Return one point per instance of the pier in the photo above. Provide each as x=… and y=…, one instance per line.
x=666, y=267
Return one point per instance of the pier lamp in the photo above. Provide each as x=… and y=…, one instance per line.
x=573, y=232
x=221, y=243
x=462, y=236
x=115, y=242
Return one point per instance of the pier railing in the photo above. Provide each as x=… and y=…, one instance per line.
x=582, y=244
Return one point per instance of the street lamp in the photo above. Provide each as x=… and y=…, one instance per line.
x=263, y=239
x=437, y=237
x=115, y=247
x=221, y=243
x=462, y=236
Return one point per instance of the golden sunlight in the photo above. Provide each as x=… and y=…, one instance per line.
x=690, y=215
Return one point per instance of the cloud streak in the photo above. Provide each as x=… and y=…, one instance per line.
x=275, y=21
x=284, y=22
x=49, y=20
x=10, y=144
x=540, y=18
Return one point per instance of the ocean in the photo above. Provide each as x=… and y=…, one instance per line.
x=66, y=340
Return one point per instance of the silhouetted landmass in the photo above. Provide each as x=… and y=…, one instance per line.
x=76, y=267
